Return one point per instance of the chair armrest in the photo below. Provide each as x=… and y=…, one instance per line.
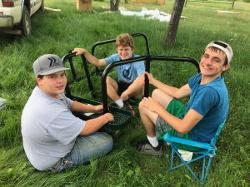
x=173, y=139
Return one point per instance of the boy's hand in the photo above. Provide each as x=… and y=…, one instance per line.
x=151, y=104
x=124, y=96
x=98, y=108
x=109, y=117
x=150, y=77
x=79, y=51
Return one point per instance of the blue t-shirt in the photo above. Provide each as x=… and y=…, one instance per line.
x=127, y=72
x=211, y=101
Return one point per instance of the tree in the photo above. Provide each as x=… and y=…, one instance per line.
x=170, y=37
x=114, y=5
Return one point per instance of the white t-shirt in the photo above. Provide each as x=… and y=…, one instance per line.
x=49, y=129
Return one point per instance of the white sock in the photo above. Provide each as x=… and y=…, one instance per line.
x=153, y=141
x=120, y=103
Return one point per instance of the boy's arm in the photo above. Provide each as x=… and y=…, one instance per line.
x=94, y=125
x=170, y=90
x=184, y=125
x=80, y=107
x=90, y=58
x=181, y=125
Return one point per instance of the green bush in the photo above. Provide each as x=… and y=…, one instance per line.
x=247, y=1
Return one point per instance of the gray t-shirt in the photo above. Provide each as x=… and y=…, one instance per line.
x=49, y=129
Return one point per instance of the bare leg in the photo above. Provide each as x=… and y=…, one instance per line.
x=112, y=88
x=162, y=98
x=135, y=89
x=148, y=119
x=151, y=146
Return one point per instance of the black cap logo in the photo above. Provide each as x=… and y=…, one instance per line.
x=53, y=62
x=126, y=73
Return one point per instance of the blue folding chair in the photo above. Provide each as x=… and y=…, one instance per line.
x=204, y=153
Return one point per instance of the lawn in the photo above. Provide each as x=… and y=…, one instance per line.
x=58, y=32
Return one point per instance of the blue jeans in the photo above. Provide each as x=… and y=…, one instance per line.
x=85, y=149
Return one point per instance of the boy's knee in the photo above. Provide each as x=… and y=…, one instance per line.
x=108, y=80
x=156, y=93
x=105, y=141
x=140, y=80
x=106, y=137
x=108, y=144
x=141, y=107
x=111, y=83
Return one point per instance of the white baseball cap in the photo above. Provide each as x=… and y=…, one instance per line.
x=226, y=48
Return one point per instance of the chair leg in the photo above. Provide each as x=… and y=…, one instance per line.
x=198, y=176
x=172, y=159
x=205, y=169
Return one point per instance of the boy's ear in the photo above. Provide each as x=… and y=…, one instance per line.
x=38, y=80
x=225, y=67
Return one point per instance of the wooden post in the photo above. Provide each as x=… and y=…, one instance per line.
x=83, y=5
x=161, y=2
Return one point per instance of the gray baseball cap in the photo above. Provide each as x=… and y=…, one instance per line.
x=225, y=47
x=48, y=64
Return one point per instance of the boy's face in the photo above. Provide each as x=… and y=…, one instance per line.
x=53, y=84
x=213, y=63
x=125, y=52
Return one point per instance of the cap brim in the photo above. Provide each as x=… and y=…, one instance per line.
x=53, y=71
x=227, y=50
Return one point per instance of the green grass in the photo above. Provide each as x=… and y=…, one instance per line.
x=57, y=32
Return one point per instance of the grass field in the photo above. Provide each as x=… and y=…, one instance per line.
x=57, y=32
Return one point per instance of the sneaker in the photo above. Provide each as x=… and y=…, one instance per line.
x=146, y=148
x=129, y=107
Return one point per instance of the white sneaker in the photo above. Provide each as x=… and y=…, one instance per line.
x=185, y=155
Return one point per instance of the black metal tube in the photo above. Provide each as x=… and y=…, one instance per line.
x=113, y=40
x=146, y=81
x=104, y=76
x=65, y=58
x=85, y=66
x=148, y=60
x=93, y=49
x=72, y=67
x=69, y=58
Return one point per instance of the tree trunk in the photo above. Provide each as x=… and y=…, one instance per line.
x=174, y=22
x=233, y=3
x=114, y=5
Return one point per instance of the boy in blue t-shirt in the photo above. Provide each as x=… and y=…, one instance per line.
x=206, y=109
x=127, y=73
